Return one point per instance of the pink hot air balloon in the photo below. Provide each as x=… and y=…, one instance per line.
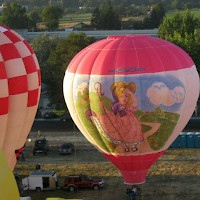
x=131, y=96
x=20, y=90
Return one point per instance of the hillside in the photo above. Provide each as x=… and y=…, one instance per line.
x=89, y=5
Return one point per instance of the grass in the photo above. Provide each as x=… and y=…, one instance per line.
x=71, y=20
x=76, y=18
x=195, y=12
x=167, y=179
x=173, y=162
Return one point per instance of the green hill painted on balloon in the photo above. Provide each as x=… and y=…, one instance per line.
x=87, y=102
x=168, y=122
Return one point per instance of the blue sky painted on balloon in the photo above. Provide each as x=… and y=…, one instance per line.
x=165, y=83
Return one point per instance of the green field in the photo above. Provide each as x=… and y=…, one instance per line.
x=167, y=179
x=195, y=12
x=86, y=17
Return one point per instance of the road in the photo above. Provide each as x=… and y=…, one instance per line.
x=57, y=125
x=53, y=125
x=193, y=125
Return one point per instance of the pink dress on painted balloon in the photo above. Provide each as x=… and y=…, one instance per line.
x=121, y=125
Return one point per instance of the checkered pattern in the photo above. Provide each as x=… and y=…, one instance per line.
x=18, y=66
x=20, y=84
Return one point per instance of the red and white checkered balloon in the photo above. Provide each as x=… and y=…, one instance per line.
x=20, y=84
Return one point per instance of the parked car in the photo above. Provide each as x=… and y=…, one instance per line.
x=41, y=146
x=66, y=148
x=49, y=115
x=74, y=182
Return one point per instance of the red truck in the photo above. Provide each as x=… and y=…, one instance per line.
x=74, y=182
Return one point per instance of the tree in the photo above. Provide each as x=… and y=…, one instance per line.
x=58, y=62
x=183, y=31
x=106, y=17
x=50, y=16
x=15, y=16
x=96, y=18
x=43, y=46
x=34, y=18
x=54, y=55
x=155, y=16
x=175, y=4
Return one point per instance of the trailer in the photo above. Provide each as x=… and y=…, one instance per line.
x=40, y=180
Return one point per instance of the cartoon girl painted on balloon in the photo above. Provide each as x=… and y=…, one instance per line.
x=120, y=125
x=124, y=105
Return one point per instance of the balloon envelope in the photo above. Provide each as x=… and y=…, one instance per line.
x=7, y=181
x=20, y=90
x=131, y=96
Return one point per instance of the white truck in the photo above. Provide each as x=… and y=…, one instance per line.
x=40, y=180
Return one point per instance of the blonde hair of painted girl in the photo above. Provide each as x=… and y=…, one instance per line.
x=118, y=88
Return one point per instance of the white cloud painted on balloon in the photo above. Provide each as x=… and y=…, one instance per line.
x=159, y=94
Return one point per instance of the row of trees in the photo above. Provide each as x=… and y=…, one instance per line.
x=183, y=30
x=16, y=16
x=123, y=5
x=54, y=54
x=105, y=17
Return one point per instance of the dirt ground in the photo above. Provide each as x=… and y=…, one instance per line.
x=175, y=176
